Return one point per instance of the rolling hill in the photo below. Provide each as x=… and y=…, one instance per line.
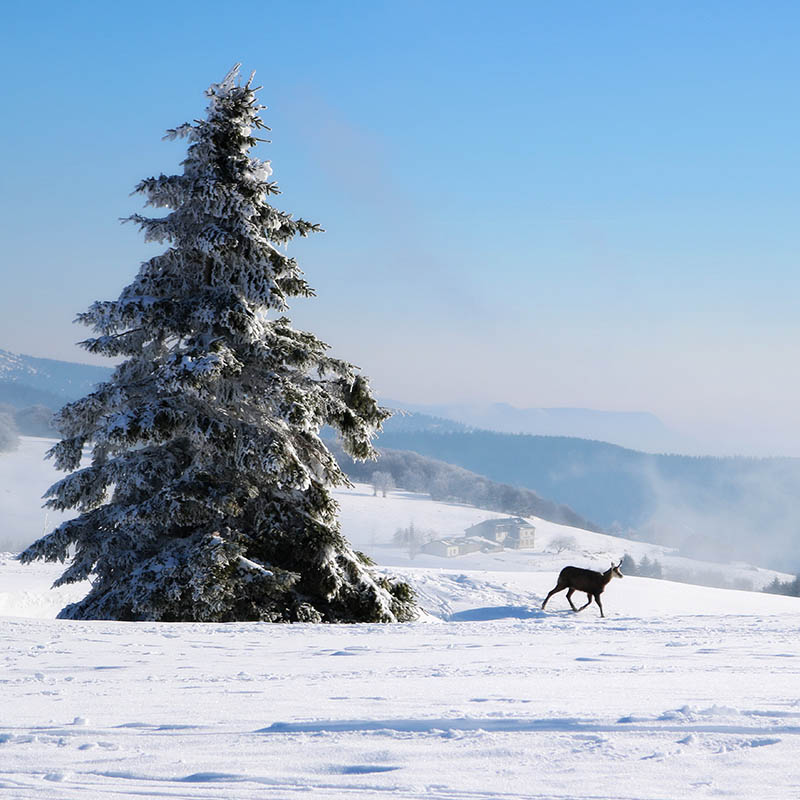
x=486, y=697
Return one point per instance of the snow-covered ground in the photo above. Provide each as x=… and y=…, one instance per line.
x=681, y=691
x=370, y=522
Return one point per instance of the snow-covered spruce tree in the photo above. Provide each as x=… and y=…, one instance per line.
x=207, y=498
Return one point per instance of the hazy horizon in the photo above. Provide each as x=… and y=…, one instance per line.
x=635, y=429
x=575, y=205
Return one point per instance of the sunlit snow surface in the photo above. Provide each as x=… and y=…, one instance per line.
x=679, y=692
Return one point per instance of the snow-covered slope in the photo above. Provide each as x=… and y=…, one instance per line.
x=681, y=691
x=368, y=521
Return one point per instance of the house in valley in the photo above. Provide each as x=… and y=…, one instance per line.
x=514, y=532
x=489, y=536
x=446, y=548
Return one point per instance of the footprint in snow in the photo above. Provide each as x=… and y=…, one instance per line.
x=363, y=769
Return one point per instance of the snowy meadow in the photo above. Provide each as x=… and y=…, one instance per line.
x=681, y=691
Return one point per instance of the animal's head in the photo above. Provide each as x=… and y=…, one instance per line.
x=615, y=573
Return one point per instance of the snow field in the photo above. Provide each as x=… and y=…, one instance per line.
x=552, y=706
x=681, y=691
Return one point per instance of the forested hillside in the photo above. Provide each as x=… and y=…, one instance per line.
x=447, y=482
x=709, y=507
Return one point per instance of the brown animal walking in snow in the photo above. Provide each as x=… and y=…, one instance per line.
x=584, y=580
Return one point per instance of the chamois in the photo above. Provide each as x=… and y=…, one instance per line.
x=584, y=580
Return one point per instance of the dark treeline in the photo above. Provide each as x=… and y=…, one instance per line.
x=610, y=483
x=445, y=482
x=791, y=588
x=646, y=568
x=652, y=568
x=9, y=435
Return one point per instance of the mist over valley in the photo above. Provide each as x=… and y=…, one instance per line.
x=713, y=508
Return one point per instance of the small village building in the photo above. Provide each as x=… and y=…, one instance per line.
x=468, y=544
x=487, y=545
x=524, y=538
x=514, y=532
x=489, y=536
x=446, y=548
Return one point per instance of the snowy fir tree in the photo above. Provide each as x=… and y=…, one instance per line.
x=208, y=493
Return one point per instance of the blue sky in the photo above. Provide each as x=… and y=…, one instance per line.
x=549, y=204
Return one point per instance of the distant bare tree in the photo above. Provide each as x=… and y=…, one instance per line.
x=564, y=542
x=381, y=482
x=412, y=538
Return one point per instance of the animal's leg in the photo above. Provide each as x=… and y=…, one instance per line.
x=558, y=588
x=597, y=600
x=569, y=598
x=587, y=602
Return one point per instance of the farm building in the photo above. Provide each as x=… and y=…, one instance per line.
x=447, y=548
x=490, y=536
x=513, y=532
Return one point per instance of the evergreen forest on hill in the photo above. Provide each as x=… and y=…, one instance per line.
x=449, y=483
x=711, y=508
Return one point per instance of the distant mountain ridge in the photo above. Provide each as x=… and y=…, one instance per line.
x=639, y=430
x=412, y=421
x=26, y=380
